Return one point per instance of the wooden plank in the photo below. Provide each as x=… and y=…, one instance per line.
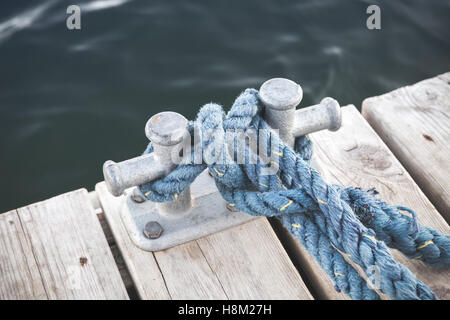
x=70, y=249
x=19, y=275
x=356, y=156
x=414, y=122
x=224, y=265
x=188, y=274
x=142, y=265
x=313, y=273
x=251, y=263
x=178, y=273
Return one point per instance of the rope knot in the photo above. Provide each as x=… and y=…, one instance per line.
x=334, y=223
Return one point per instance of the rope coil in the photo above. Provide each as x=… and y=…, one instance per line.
x=329, y=220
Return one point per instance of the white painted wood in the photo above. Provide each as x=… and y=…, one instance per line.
x=245, y=262
x=70, y=249
x=356, y=156
x=414, y=122
x=19, y=275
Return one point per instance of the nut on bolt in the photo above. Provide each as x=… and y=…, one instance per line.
x=136, y=196
x=153, y=230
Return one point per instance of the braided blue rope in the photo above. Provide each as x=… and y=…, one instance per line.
x=329, y=220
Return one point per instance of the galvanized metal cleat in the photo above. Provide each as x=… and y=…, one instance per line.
x=200, y=209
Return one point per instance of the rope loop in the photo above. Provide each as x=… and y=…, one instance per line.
x=340, y=227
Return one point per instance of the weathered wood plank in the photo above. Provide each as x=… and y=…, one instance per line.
x=142, y=265
x=414, y=122
x=312, y=272
x=19, y=275
x=178, y=273
x=356, y=156
x=188, y=274
x=70, y=249
x=245, y=262
x=251, y=263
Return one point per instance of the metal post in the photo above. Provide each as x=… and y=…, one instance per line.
x=281, y=97
x=325, y=115
x=164, y=223
x=168, y=131
x=131, y=173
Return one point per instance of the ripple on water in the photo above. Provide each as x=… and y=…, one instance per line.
x=132, y=59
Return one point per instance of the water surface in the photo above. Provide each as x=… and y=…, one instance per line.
x=69, y=100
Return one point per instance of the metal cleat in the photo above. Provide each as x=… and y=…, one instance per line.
x=200, y=209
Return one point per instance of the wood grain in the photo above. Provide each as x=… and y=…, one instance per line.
x=19, y=275
x=246, y=262
x=70, y=249
x=142, y=265
x=356, y=156
x=188, y=274
x=251, y=263
x=414, y=122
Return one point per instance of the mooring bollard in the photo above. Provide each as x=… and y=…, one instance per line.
x=158, y=226
x=281, y=96
x=167, y=131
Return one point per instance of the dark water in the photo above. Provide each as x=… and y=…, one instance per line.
x=69, y=100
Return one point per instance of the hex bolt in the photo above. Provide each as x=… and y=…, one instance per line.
x=169, y=131
x=136, y=196
x=281, y=96
x=153, y=230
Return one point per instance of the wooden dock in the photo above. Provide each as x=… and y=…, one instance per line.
x=414, y=122
x=74, y=246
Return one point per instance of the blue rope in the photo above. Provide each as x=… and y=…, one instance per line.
x=329, y=220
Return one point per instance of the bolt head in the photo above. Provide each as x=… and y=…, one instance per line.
x=153, y=230
x=280, y=94
x=136, y=196
x=167, y=128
